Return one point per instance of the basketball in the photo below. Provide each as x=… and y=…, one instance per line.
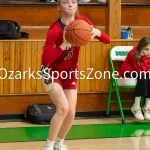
x=78, y=33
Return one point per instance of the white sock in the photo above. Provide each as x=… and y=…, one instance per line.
x=60, y=141
x=49, y=144
x=147, y=103
x=137, y=102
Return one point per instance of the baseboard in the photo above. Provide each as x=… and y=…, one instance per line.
x=79, y=115
x=11, y=117
x=102, y=114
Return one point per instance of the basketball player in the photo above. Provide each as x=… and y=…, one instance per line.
x=59, y=58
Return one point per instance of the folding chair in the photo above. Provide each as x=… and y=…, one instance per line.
x=119, y=53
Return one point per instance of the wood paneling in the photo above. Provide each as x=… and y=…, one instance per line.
x=96, y=14
x=135, y=1
x=30, y=15
x=20, y=0
x=40, y=33
x=135, y=16
x=36, y=32
x=22, y=55
x=36, y=18
x=46, y=14
x=25, y=56
x=140, y=31
x=113, y=19
x=17, y=104
x=91, y=0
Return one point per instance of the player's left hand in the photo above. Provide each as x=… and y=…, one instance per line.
x=95, y=32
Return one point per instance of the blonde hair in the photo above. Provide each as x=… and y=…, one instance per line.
x=77, y=13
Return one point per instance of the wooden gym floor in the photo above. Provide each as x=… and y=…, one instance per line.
x=123, y=143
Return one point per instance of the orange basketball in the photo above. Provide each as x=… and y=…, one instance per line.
x=78, y=33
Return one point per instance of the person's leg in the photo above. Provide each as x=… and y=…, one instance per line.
x=136, y=109
x=147, y=102
x=146, y=108
x=137, y=102
x=58, y=96
x=71, y=96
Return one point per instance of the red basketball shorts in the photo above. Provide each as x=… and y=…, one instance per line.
x=67, y=78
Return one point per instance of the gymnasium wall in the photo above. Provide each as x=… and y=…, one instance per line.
x=16, y=95
x=91, y=0
x=37, y=18
x=135, y=1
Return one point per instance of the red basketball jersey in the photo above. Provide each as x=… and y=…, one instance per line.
x=54, y=57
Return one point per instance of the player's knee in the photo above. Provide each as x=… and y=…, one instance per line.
x=63, y=109
x=71, y=113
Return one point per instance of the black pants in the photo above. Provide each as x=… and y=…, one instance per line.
x=142, y=86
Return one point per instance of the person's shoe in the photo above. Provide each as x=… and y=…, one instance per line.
x=58, y=146
x=146, y=112
x=47, y=148
x=137, y=113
